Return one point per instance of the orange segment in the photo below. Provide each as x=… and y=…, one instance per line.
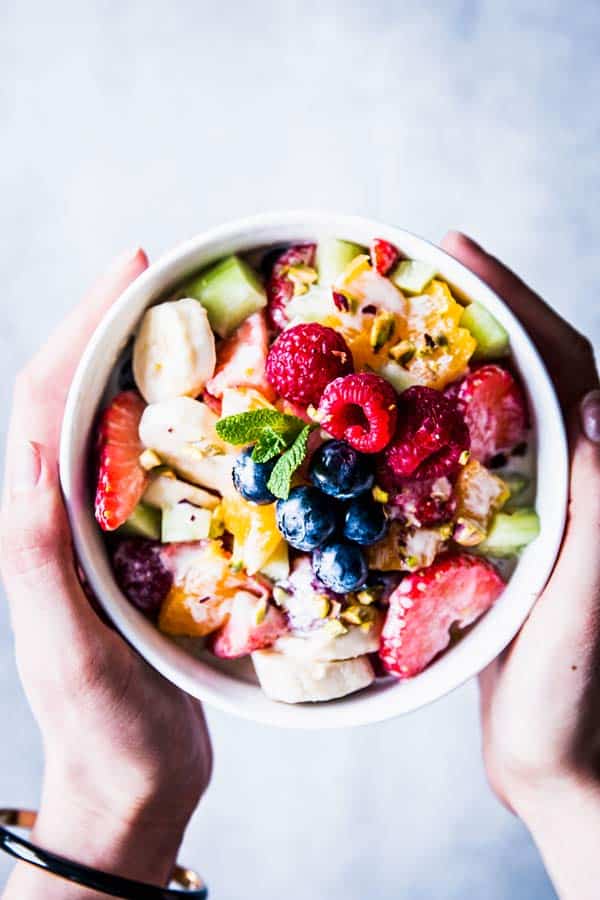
x=187, y=615
x=255, y=532
x=480, y=494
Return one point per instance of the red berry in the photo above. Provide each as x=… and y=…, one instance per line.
x=241, y=358
x=121, y=479
x=494, y=409
x=280, y=289
x=383, y=255
x=454, y=589
x=252, y=625
x=360, y=409
x=430, y=438
x=141, y=573
x=304, y=359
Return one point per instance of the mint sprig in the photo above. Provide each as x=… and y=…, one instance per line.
x=281, y=477
x=272, y=433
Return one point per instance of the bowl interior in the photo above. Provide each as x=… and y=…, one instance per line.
x=233, y=688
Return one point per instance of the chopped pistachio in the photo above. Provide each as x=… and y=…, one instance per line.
x=382, y=329
x=280, y=596
x=150, y=460
x=467, y=532
x=403, y=352
x=261, y=612
x=335, y=628
x=301, y=277
x=217, y=524
x=464, y=457
x=379, y=495
x=236, y=565
x=367, y=596
x=322, y=606
x=411, y=562
x=445, y=530
x=357, y=615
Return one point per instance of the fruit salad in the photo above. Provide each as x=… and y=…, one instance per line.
x=318, y=457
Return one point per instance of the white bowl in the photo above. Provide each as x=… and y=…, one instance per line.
x=235, y=693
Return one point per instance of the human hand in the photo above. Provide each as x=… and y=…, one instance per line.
x=127, y=754
x=540, y=700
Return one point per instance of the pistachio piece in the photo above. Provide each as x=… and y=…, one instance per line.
x=467, y=532
x=382, y=329
x=150, y=460
x=335, y=628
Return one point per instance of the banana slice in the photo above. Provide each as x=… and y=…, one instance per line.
x=292, y=681
x=165, y=491
x=323, y=646
x=174, y=351
x=182, y=432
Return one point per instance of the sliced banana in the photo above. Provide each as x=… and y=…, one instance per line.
x=323, y=646
x=165, y=491
x=174, y=350
x=294, y=681
x=182, y=432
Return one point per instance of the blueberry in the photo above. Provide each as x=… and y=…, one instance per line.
x=250, y=478
x=341, y=567
x=365, y=522
x=340, y=471
x=307, y=518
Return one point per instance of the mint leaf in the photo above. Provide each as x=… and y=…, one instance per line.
x=268, y=445
x=281, y=476
x=247, y=427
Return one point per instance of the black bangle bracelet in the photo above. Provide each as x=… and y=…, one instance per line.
x=112, y=885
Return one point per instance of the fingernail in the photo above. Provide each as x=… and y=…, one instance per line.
x=26, y=468
x=590, y=416
x=123, y=258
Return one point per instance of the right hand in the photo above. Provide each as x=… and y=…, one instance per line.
x=540, y=701
x=127, y=754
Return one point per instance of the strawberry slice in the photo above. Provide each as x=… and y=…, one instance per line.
x=280, y=289
x=241, y=359
x=383, y=255
x=254, y=624
x=121, y=479
x=455, y=589
x=494, y=409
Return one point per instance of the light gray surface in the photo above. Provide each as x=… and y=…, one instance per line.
x=145, y=122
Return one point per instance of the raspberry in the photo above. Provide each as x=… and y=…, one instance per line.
x=494, y=409
x=383, y=255
x=454, y=589
x=360, y=409
x=141, y=574
x=280, y=289
x=304, y=359
x=430, y=438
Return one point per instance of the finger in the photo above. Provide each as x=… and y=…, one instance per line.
x=558, y=343
x=64, y=347
x=573, y=593
x=40, y=390
x=35, y=553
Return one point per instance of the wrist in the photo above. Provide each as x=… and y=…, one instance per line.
x=563, y=817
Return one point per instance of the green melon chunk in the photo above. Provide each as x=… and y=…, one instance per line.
x=333, y=257
x=515, y=482
x=491, y=336
x=185, y=522
x=412, y=275
x=510, y=532
x=144, y=521
x=399, y=377
x=314, y=306
x=230, y=291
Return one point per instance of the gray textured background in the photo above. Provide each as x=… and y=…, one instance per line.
x=126, y=123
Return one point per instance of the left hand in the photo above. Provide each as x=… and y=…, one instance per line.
x=127, y=754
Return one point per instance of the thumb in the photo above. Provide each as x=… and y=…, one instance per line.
x=36, y=556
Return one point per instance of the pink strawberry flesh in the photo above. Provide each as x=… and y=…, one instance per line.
x=246, y=630
x=454, y=590
x=121, y=479
x=494, y=409
x=241, y=359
